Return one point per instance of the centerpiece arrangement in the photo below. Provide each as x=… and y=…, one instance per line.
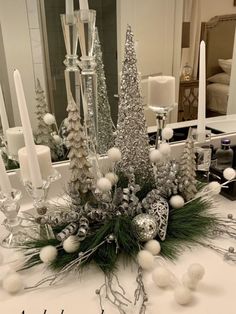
x=147, y=206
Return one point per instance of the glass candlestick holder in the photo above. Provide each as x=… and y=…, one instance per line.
x=9, y=206
x=39, y=197
x=161, y=117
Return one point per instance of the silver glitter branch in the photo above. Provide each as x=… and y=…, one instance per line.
x=114, y=296
x=141, y=292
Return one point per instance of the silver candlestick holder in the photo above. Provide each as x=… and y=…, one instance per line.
x=9, y=206
x=161, y=117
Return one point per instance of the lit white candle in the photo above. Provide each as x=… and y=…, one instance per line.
x=3, y=113
x=69, y=11
x=4, y=180
x=161, y=91
x=202, y=94
x=35, y=175
x=83, y=5
x=44, y=159
x=15, y=140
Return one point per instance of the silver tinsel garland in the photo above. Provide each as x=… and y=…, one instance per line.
x=132, y=138
x=105, y=139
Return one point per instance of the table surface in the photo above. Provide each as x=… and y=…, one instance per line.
x=215, y=295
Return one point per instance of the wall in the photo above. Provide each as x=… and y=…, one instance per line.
x=211, y=8
x=22, y=45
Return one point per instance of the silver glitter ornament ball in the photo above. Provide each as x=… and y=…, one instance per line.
x=145, y=227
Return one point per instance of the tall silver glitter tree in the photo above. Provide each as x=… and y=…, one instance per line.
x=105, y=139
x=132, y=138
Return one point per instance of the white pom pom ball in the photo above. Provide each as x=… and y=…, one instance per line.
x=49, y=119
x=165, y=149
x=183, y=295
x=12, y=283
x=71, y=244
x=48, y=254
x=189, y=282
x=229, y=174
x=104, y=185
x=114, y=154
x=176, y=201
x=196, y=272
x=161, y=277
x=167, y=133
x=155, y=156
x=112, y=177
x=145, y=259
x=153, y=246
x=214, y=187
x=57, y=139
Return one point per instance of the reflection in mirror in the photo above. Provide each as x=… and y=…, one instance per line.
x=38, y=51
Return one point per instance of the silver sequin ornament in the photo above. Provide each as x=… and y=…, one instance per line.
x=145, y=227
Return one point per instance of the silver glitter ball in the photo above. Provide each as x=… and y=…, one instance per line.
x=145, y=227
x=231, y=249
x=230, y=216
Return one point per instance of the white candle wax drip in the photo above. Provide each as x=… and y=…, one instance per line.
x=4, y=180
x=34, y=170
x=44, y=158
x=202, y=94
x=3, y=113
x=161, y=91
x=15, y=140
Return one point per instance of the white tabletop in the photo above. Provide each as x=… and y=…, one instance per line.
x=216, y=293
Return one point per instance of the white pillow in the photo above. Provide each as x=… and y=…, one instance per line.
x=221, y=78
x=225, y=65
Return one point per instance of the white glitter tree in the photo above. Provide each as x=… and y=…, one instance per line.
x=132, y=138
x=43, y=133
x=81, y=180
x=105, y=137
x=187, y=170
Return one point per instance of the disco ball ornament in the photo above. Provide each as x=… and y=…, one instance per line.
x=145, y=227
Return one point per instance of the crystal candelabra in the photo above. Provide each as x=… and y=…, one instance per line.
x=39, y=197
x=9, y=205
x=161, y=117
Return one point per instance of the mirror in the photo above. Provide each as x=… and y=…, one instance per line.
x=38, y=49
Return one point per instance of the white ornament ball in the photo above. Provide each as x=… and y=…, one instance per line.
x=71, y=244
x=155, y=156
x=189, y=282
x=161, y=277
x=104, y=185
x=57, y=139
x=214, y=187
x=165, y=149
x=229, y=174
x=114, y=154
x=49, y=119
x=176, y=201
x=145, y=259
x=167, y=133
x=153, y=246
x=196, y=272
x=12, y=283
x=48, y=254
x=183, y=295
x=112, y=177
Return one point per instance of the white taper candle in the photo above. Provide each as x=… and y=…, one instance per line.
x=202, y=94
x=69, y=11
x=35, y=174
x=3, y=113
x=83, y=5
x=4, y=180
